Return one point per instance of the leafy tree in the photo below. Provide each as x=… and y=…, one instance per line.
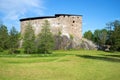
x=100, y=37
x=96, y=36
x=109, y=27
x=4, y=37
x=88, y=35
x=115, y=37
x=103, y=36
x=45, y=39
x=13, y=40
x=29, y=39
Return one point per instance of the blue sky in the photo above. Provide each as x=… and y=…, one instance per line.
x=96, y=13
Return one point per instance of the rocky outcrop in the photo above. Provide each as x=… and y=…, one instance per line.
x=65, y=43
x=87, y=44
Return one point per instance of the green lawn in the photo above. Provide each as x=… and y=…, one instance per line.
x=61, y=65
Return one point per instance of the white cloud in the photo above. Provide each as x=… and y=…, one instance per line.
x=15, y=9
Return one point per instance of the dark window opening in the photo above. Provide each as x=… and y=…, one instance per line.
x=73, y=21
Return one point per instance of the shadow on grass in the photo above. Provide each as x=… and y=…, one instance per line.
x=31, y=55
x=117, y=56
x=100, y=58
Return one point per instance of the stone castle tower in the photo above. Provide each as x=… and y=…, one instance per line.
x=67, y=24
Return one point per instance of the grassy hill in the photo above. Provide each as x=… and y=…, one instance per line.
x=61, y=65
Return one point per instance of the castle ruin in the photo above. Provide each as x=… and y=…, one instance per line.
x=67, y=24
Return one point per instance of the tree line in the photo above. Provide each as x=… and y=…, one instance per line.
x=42, y=43
x=8, y=40
x=108, y=36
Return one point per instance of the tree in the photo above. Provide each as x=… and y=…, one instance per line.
x=1, y=22
x=109, y=28
x=96, y=36
x=115, y=37
x=100, y=37
x=13, y=40
x=29, y=39
x=45, y=39
x=88, y=35
x=103, y=36
x=4, y=37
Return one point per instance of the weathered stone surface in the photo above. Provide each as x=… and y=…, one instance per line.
x=65, y=23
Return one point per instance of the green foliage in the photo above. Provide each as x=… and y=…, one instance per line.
x=103, y=36
x=88, y=35
x=59, y=33
x=29, y=39
x=13, y=40
x=1, y=49
x=100, y=36
x=4, y=37
x=71, y=36
x=96, y=36
x=115, y=36
x=45, y=39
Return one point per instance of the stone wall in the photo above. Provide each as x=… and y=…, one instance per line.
x=66, y=24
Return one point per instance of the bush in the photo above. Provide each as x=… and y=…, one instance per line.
x=17, y=51
x=1, y=49
x=14, y=51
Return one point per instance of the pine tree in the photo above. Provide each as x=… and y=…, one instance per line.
x=29, y=39
x=13, y=40
x=115, y=37
x=45, y=39
x=4, y=37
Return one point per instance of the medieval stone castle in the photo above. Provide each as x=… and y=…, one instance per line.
x=67, y=24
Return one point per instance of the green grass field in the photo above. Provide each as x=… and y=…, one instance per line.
x=61, y=65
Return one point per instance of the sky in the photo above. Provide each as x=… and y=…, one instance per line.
x=96, y=13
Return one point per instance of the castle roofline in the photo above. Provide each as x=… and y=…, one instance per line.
x=32, y=18
x=43, y=17
x=66, y=15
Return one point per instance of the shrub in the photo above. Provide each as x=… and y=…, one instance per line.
x=1, y=49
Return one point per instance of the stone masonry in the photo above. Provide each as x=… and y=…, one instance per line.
x=67, y=24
